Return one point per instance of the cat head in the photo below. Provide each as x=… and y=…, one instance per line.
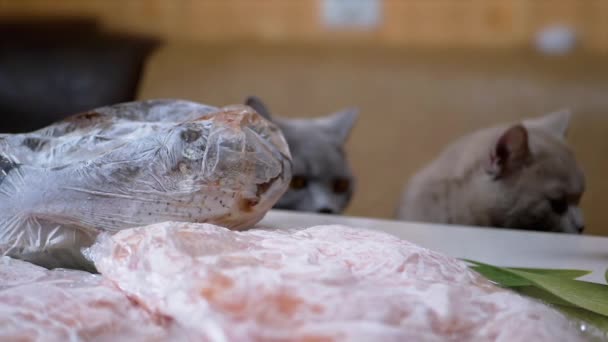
x=540, y=184
x=322, y=178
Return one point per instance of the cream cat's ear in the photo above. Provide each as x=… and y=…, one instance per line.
x=259, y=106
x=557, y=122
x=340, y=123
x=510, y=152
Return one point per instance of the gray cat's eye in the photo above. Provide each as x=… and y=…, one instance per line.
x=340, y=185
x=559, y=206
x=298, y=182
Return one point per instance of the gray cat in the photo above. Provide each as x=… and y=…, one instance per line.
x=522, y=176
x=322, y=178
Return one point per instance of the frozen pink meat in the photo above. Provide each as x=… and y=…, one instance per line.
x=65, y=305
x=325, y=283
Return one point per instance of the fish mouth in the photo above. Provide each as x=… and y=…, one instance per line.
x=252, y=161
x=276, y=187
x=268, y=193
x=251, y=206
x=273, y=161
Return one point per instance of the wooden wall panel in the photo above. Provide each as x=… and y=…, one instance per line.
x=596, y=25
x=455, y=23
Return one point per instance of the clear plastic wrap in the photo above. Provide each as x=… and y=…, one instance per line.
x=134, y=164
x=67, y=305
x=325, y=283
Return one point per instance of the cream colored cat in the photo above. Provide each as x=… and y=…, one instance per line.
x=522, y=176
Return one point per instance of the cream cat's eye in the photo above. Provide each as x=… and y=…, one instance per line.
x=298, y=182
x=341, y=185
x=559, y=206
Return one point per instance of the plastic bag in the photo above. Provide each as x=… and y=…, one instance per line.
x=200, y=282
x=68, y=305
x=134, y=164
x=324, y=283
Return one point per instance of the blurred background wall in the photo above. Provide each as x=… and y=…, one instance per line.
x=457, y=23
x=423, y=72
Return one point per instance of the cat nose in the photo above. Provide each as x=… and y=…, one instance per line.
x=325, y=211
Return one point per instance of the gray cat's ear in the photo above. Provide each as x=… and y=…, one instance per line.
x=510, y=152
x=259, y=106
x=340, y=123
x=557, y=122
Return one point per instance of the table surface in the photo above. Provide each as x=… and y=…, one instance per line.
x=500, y=247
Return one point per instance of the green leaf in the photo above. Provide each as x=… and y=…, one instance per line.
x=570, y=310
x=580, y=300
x=542, y=295
x=501, y=275
x=562, y=273
x=590, y=296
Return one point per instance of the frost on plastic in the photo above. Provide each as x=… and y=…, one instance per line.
x=324, y=283
x=67, y=305
x=199, y=282
x=134, y=164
